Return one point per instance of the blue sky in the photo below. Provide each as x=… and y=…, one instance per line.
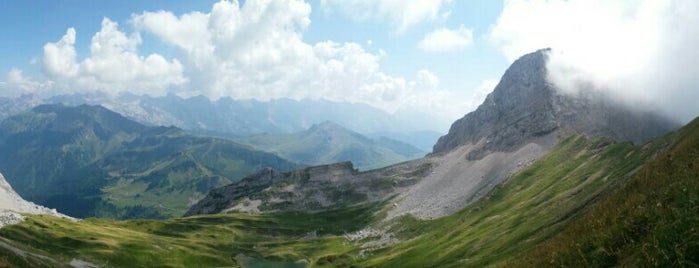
x=34, y=23
x=434, y=56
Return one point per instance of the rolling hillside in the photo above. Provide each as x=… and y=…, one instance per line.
x=87, y=161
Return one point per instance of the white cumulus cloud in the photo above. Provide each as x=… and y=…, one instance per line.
x=256, y=50
x=113, y=64
x=400, y=13
x=642, y=51
x=446, y=40
x=16, y=83
x=250, y=50
x=59, y=57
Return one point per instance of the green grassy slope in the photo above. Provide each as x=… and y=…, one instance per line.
x=88, y=161
x=525, y=210
x=203, y=241
x=328, y=143
x=649, y=220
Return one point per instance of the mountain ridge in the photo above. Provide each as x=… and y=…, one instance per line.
x=519, y=121
x=525, y=105
x=314, y=189
x=328, y=142
x=90, y=161
x=199, y=114
x=232, y=118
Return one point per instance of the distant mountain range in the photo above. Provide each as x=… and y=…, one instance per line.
x=13, y=106
x=87, y=161
x=227, y=117
x=329, y=142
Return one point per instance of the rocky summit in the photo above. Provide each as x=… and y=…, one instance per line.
x=521, y=120
x=525, y=105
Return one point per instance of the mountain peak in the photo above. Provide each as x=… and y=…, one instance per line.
x=330, y=128
x=74, y=118
x=518, y=106
x=525, y=105
x=327, y=124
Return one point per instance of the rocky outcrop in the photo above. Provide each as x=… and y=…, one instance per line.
x=221, y=198
x=11, y=205
x=311, y=189
x=524, y=106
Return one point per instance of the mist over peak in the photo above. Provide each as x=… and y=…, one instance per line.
x=642, y=53
x=528, y=103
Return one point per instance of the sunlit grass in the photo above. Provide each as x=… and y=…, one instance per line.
x=212, y=240
x=649, y=220
x=525, y=210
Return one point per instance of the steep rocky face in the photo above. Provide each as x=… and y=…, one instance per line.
x=518, y=107
x=524, y=106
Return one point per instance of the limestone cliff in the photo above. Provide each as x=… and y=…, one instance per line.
x=525, y=105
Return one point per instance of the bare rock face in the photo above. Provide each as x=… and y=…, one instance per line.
x=11, y=205
x=524, y=106
x=222, y=198
x=311, y=189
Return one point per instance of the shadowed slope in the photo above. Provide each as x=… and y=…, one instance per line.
x=89, y=161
